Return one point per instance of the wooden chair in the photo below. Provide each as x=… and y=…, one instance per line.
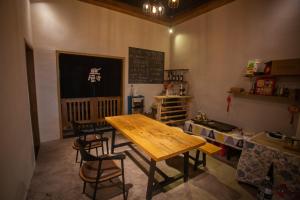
x=99, y=169
x=95, y=141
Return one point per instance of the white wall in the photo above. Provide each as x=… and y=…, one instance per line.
x=216, y=47
x=75, y=26
x=16, y=145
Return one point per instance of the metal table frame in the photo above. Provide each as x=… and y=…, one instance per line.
x=151, y=187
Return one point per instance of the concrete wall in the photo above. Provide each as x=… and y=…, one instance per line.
x=75, y=26
x=16, y=146
x=216, y=47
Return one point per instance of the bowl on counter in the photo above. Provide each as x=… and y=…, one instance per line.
x=276, y=135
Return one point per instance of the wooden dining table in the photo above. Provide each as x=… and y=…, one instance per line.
x=158, y=140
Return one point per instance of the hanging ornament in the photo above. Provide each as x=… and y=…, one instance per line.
x=293, y=110
x=228, y=102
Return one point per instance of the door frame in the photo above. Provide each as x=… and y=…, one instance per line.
x=86, y=54
x=30, y=72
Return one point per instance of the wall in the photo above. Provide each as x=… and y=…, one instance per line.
x=216, y=47
x=16, y=146
x=75, y=26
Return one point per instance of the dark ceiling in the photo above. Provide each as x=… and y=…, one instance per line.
x=184, y=5
x=187, y=9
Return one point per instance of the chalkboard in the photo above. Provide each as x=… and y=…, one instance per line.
x=145, y=66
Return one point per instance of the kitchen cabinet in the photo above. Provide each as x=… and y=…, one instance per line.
x=172, y=109
x=259, y=153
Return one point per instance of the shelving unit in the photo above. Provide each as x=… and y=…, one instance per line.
x=135, y=104
x=278, y=71
x=172, y=109
x=176, y=77
x=277, y=99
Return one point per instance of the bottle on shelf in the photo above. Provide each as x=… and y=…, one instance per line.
x=181, y=76
x=173, y=76
x=181, y=90
x=169, y=76
x=131, y=90
x=176, y=76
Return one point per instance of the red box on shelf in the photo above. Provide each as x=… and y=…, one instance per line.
x=265, y=86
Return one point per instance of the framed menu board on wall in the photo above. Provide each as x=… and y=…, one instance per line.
x=145, y=66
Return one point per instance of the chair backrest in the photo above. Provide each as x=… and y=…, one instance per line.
x=76, y=128
x=84, y=154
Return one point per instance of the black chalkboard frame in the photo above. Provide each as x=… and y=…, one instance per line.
x=145, y=66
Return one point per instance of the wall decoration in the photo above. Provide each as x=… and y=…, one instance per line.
x=89, y=76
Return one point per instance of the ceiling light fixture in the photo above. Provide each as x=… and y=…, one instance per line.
x=173, y=3
x=156, y=8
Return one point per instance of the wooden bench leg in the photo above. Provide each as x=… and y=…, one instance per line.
x=204, y=159
x=196, y=160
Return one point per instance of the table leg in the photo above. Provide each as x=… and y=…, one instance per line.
x=113, y=136
x=150, y=179
x=186, y=166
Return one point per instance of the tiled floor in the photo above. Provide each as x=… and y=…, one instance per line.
x=56, y=178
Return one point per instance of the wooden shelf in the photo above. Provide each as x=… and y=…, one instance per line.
x=175, y=121
x=269, y=75
x=171, y=70
x=169, y=107
x=172, y=97
x=281, y=70
x=173, y=116
x=172, y=109
x=277, y=99
x=173, y=81
x=171, y=102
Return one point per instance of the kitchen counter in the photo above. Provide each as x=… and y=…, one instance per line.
x=233, y=138
x=278, y=144
x=259, y=153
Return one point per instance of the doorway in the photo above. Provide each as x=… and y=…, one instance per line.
x=32, y=98
x=91, y=88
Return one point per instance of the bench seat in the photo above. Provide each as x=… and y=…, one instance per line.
x=207, y=148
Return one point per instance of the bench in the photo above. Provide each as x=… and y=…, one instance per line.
x=207, y=148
